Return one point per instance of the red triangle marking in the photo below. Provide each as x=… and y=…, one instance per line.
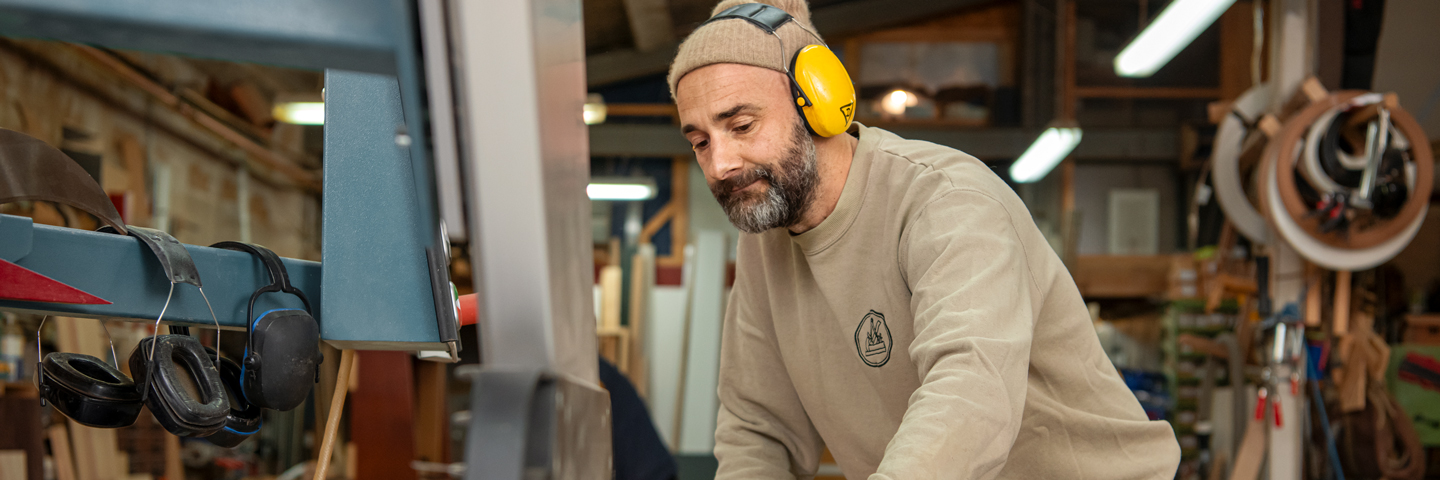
x=20, y=283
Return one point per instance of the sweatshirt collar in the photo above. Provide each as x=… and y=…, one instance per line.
x=834, y=226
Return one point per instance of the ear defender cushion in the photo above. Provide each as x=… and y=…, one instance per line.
x=279, y=368
x=828, y=98
x=185, y=393
x=89, y=391
x=244, y=418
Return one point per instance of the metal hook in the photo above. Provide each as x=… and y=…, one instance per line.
x=114, y=360
x=217, y=325
x=39, y=358
x=157, y=326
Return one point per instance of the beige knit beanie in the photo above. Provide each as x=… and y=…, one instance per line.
x=738, y=41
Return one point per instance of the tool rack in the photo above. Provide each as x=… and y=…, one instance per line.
x=433, y=112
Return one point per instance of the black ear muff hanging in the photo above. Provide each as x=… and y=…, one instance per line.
x=244, y=418
x=282, y=353
x=182, y=386
x=822, y=91
x=97, y=394
x=176, y=379
x=86, y=389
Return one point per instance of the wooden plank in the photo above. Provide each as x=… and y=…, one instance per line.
x=332, y=422
x=1314, y=277
x=641, y=110
x=174, y=468
x=325, y=388
x=1237, y=42
x=650, y=24
x=252, y=104
x=432, y=419
x=137, y=196
x=641, y=285
x=656, y=222
x=610, y=287
x=1148, y=92
x=95, y=447
x=1123, y=276
x=60, y=452
x=382, y=418
x=1422, y=329
x=1251, y=452
x=13, y=464
x=1341, y=323
x=20, y=431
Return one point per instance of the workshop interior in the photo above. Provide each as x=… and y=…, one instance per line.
x=435, y=239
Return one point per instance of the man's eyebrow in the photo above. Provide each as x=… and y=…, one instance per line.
x=733, y=111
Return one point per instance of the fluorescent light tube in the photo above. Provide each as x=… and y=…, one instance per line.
x=620, y=191
x=300, y=113
x=1042, y=156
x=1172, y=30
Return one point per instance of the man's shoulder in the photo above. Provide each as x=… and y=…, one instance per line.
x=930, y=171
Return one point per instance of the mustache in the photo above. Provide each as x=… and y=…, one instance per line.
x=727, y=187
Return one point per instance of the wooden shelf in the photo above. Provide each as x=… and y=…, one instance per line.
x=1125, y=276
x=1148, y=92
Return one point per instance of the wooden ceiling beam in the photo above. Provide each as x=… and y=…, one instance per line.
x=843, y=20
x=650, y=24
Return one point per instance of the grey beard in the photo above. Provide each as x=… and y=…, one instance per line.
x=790, y=191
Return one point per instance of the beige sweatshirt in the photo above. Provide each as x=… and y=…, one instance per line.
x=925, y=329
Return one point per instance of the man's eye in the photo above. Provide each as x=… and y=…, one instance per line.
x=743, y=128
x=700, y=145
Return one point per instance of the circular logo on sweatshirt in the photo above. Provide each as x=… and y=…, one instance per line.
x=872, y=339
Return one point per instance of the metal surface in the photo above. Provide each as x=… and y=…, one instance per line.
x=374, y=253
x=991, y=144
x=525, y=146
x=538, y=409
x=94, y=262
x=524, y=425
x=17, y=283
x=350, y=34
x=375, y=36
x=31, y=169
x=435, y=39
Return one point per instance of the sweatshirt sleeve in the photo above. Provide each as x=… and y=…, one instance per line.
x=762, y=431
x=972, y=294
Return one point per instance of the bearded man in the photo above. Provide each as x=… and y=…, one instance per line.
x=893, y=299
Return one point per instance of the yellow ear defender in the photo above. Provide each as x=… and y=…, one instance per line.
x=824, y=96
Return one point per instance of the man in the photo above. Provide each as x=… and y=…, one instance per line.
x=893, y=299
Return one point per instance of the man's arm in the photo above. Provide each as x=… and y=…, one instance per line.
x=762, y=431
x=973, y=303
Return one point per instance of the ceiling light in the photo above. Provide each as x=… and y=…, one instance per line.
x=895, y=102
x=300, y=113
x=1172, y=30
x=1042, y=156
x=594, y=109
x=621, y=188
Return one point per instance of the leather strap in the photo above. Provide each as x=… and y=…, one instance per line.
x=766, y=17
x=174, y=259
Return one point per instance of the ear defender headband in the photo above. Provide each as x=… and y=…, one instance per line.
x=173, y=375
x=282, y=354
x=823, y=94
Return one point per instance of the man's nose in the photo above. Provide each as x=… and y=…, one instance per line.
x=724, y=161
